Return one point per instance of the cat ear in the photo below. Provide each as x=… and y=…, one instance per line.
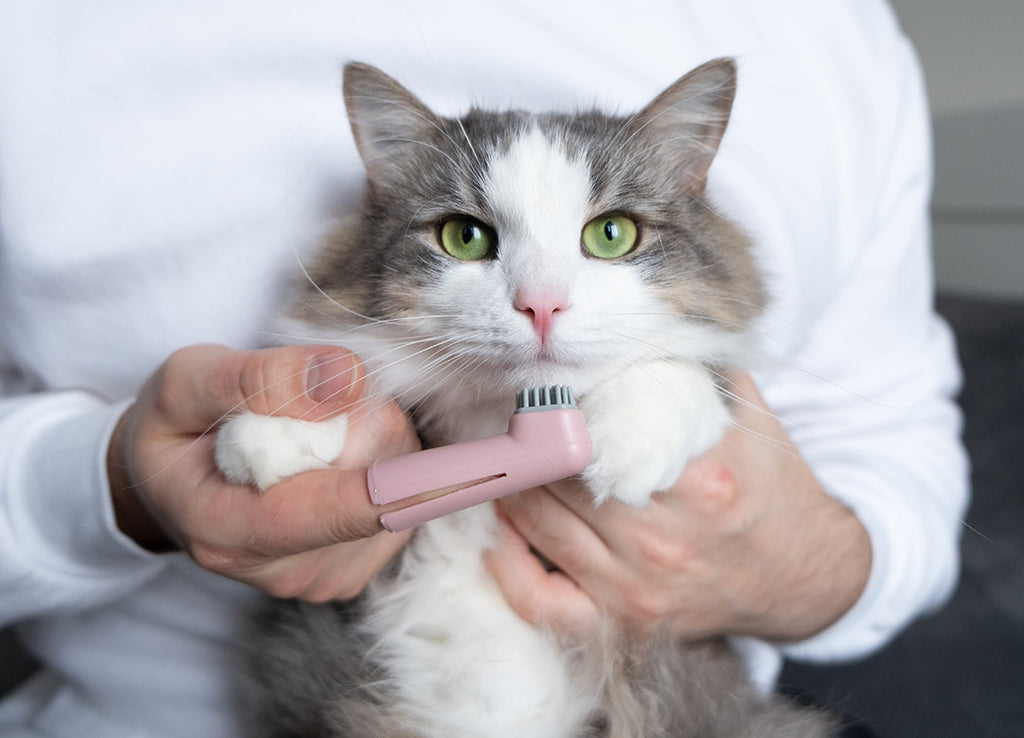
x=390, y=125
x=684, y=124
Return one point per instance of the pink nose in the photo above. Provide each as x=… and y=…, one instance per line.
x=541, y=307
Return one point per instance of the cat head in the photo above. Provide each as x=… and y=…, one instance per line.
x=506, y=249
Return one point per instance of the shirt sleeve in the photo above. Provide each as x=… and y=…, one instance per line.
x=60, y=548
x=869, y=397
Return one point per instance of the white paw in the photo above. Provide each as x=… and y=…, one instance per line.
x=263, y=450
x=646, y=424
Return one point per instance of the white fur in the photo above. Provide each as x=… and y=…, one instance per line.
x=646, y=424
x=540, y=198
x=262, y=449
x=465, y=664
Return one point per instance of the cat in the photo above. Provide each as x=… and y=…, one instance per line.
x=493, y=252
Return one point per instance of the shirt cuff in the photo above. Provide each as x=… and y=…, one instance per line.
x=907, y=576
x=58, y=494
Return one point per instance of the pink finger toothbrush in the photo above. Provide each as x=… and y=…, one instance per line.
x=546, y=441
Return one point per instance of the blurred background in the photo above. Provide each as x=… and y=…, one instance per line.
x=960, y=672
x=973, y=57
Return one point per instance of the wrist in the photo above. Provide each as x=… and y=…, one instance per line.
x=131, y=514
x=826, y=571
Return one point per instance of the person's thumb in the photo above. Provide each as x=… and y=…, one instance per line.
x=202, y=385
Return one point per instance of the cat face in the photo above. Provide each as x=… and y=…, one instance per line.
x=503, y=250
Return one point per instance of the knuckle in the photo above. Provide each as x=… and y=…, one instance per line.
x=648, y=604
x=526, y=515
x=288, y=588
x=347, y=590
x=345, y=528
x=316, y=597
x=530, y=613
x=257, y=382
x=216, y=559
x=172, y=381
x=351, y=519
x=396, y=430
x=664, y=553
x=716, y=492
x=527, y=605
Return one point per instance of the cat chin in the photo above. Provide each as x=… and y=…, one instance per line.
x=582, y=376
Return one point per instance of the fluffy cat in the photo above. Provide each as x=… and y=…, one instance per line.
x=494, y=252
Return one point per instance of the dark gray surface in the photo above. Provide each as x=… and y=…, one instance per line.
x=15, y=664
x=959, y=672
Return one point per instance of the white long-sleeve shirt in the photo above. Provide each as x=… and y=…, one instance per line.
x=164, y=166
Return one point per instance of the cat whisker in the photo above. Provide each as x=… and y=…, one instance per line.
x=469, y=142
x=327, y=297
x=691, y=320
x=785, y=447
x=781, y=445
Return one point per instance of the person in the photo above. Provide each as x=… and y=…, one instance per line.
x=163, y=168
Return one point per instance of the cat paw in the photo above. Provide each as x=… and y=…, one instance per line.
x=646, y=424
x=262, y=450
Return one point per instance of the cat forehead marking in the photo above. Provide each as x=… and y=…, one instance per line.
x=540, y=197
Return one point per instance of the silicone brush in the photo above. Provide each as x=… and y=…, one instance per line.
x=546, y=441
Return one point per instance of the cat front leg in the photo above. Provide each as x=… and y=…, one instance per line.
x=646, y=423
x=262, y=450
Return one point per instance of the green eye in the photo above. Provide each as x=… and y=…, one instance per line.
x=609, y=236
x=467, y=239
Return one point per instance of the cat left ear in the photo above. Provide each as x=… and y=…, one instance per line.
x=686, y=122
x=391, y=126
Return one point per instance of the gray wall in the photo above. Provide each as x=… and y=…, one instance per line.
x=974, y=64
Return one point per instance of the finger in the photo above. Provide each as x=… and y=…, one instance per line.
x=315, y=509
x=338, y=572
x=630, y=535
x=200, y=385
x=559, y=534
x=537, y=595
x=230, y=528
x=576, y=497
x=376, y=431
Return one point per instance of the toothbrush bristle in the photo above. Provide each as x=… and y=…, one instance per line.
x=548, y=397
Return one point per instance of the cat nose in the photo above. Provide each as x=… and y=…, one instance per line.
x=541, y=307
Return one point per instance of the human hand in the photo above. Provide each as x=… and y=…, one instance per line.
x=313, y=535
x=746, y=542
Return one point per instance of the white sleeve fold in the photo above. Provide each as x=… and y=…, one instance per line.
x=878, y=422
x=60, y=548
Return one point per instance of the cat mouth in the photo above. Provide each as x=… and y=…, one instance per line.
x=546, y=355
x=549, y=355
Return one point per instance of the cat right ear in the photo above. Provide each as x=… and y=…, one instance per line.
x=686, y=122
x=392, y=128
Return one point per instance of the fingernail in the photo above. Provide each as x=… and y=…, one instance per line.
x=332, y=377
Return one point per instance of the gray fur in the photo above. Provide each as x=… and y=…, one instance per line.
x=312, y=673
x=313, y=668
